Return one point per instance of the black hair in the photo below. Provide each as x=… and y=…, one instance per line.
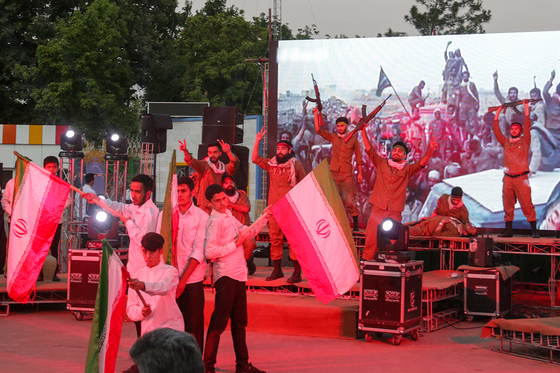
x=212, y=190
x=89, y=178
x=145, y=180
x=535, y=90
x=185, y=180
x=401, y=144
x=225, y=176
x=167, y=350
x=342, y=119
x=152, y=241
x=214, y=144
x=50, y=159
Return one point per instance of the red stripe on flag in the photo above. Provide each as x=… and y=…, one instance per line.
x=115, y=328
x=299, y=238
x=45, y=226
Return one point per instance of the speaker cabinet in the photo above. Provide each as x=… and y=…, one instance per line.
x=154, y=130
x=480, y=252
x=224, y=123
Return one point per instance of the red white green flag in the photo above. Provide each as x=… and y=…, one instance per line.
x=314, y=221
x=110, y=307
x=38, y=204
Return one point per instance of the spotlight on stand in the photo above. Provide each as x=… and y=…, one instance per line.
x=392, y=241
x=71, y=143
x=116, y=147
x=102, y=225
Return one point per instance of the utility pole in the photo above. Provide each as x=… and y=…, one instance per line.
x=277, y=20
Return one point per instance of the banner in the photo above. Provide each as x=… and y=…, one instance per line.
x=110, y=307
x=314, y=221
x=38, y=204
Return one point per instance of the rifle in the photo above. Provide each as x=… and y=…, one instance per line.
x=365, y=119
x=513, y=104
x=316, y=100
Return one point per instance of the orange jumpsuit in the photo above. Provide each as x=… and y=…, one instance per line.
x=280, y=184
x=341, y=167
x=208, y=177
x=388, y=197
x=516, y=169
x=250, y=244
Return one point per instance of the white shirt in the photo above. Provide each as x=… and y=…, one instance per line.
x=143, y=219
x=161, y=286
x=229, y=260
x=190, y=242
x=78, y=197
x=8, y=197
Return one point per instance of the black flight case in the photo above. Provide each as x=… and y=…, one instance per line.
x=391, y=299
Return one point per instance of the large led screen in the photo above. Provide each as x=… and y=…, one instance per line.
x=432, y=96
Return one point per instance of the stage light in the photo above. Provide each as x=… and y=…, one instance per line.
x=101, y=216
x=392, y=236
x=387, y=225
x=71, y=141
x=102, y=225
x=116, y=144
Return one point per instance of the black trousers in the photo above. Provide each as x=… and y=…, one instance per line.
x=191, y=304
x=230, y=304
x=54, y=246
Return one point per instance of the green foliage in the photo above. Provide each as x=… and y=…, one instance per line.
x=84, y=77
x=23, y=26
x=446, y=17
x=390, y=33
x=215, y=43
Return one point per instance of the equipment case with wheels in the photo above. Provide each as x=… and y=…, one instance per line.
x=83, y=278
x=391, y=299
x=486, y=292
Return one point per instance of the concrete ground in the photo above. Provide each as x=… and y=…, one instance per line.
x=47, y=338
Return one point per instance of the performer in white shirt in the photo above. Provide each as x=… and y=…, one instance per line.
x=224, y=247
x=158, y=283
x=142, y=217
x=87, y=188
x=189, y=230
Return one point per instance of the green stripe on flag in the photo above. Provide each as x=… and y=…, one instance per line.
x=100, y=313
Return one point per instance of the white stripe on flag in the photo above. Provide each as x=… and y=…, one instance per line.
x=330, y=244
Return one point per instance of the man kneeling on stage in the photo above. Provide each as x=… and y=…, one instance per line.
x=450, y=218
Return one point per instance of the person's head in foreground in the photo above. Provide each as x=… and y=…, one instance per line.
x=167, y=351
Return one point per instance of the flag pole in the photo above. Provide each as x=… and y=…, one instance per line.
x=396, y=94
x=98, y=203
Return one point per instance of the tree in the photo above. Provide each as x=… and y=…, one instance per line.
x=83, y=75
x=446, y=17
x=390, y=33
x=24, y=25
x=215, y=43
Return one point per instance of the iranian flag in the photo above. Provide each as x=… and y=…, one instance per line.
x=110, y=307
x=38, y=204
x=314, y=221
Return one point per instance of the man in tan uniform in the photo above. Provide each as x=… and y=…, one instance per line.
x=341, y=162
x=211, y=170
x=389, y=191
x=239, y=205
x=450, y=218
x=284, y=173
x=452, y=205
x=516, y=171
